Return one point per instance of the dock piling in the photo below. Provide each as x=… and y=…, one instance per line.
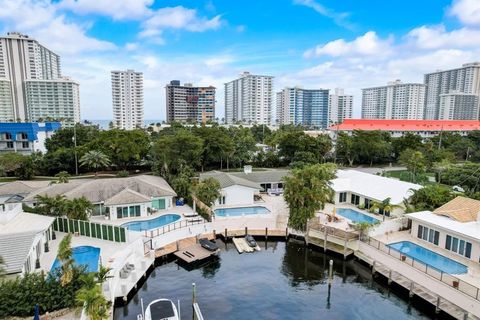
x=345, y=249
x=325, y=240
x=410, y=293
x=246, y=230
x=373, y=267
x=330, y=272
x=390, y=277
x=226, y=237
x=266, y=234
x=437, y=307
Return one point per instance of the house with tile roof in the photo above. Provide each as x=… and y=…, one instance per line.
x=455, y=226
x=116, y=198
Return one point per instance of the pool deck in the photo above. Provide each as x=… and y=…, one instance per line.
x=343, y=223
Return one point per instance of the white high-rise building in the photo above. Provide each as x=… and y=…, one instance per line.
x=305, y=107
x=397, y=100
x=127, y=99
x=458, y=106
x=248, y=99
x=463, y=80
x=31, y=84
x=340, y=106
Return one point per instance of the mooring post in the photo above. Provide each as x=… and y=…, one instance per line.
x=226, y=238
x=177, y=244
x=325, y=240
x=465, y=315
x=194, y=294
x=437, y=307
x=389, y=277
x=214, y=235
x=410, y=293
x=286, y=233
x=345, y=249
x=330, y=272
x=266, y=234
x=246, y=230
x=373, y=267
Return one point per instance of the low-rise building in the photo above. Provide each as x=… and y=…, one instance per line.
x=363, y=189
x=27, y=137
x=397, y=128
x=455, y=227
x=115, y=198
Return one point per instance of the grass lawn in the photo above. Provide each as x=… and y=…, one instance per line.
x=406, y=176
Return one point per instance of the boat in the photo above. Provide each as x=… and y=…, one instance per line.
x=207, y=244
x=161, y=309
x=251, y=241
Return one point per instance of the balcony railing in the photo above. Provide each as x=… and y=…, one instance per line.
x=452, y=281
x=172, y=227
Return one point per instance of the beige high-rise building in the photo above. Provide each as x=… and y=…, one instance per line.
x=397, y=100
x=31, y=84
x=249, y=99
x=127, y=99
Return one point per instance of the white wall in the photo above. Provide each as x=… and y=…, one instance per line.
x=397, y=212
x=237, y=195
x=475, y=256
x=143, y=209
x=388, y=226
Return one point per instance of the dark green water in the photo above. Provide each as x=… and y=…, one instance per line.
x=283, y=281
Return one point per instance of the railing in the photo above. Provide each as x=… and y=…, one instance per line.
x=430, y=270
x=172, y=227
x=318, y=226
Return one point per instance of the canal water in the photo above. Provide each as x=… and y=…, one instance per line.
x=282, y=281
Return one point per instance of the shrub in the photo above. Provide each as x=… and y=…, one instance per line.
x=123, y=173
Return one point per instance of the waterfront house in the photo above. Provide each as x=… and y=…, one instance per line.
x=455, y=226
x=362, y=189
x=233, y=190
x=115, y=198
x=24, y=238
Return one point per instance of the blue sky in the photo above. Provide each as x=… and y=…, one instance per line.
x=312, y=43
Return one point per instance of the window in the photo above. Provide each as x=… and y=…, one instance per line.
x=462, y=247
x=9, y=145
x=355, y=199
x=342, y=197
x=25, y=144
x=427, y=234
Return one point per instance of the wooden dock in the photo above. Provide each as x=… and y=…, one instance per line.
x=416, y=289
x=242, y=245
x=194, y=253
x=180, y=245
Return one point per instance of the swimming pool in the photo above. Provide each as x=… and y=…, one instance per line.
x=355, y=216
x=429, y=257
x=233, y=212
x=152, y=223
x=84, y=255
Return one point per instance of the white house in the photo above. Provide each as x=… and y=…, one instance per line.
x=360, y=188
x=234, y=190
x=23, y=238
x=116, y=198
x=455, y=227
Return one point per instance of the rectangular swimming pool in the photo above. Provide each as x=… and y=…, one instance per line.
x=432, y=259
x=355, y=216
x=233, y=212
x=83, y=256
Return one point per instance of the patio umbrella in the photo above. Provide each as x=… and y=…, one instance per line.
x=36, y=316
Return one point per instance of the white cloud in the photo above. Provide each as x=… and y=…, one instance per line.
x=467, y=11
x=340, y=18
x=117, y=9
x=178, y=18
x=368, y=44
x=437, y=37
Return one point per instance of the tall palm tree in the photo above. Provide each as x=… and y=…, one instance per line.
x=95, y=160
x=65, y=257
x=51, y=206
x=384, y=206
x=93, y=301
x=62, y=177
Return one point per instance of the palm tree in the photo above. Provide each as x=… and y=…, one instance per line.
x=2, y=270
x=51, y=206
x=93, y=301
x=65, y=257
x=95, y=160
x=62, y=177
x=384, y=207
x=79, y=208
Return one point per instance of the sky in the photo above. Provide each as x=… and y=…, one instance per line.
x=350, y=44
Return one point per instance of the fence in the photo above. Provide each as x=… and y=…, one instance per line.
x=446, y=278
x=172, y=226
x=316, y=225
x=91, y=229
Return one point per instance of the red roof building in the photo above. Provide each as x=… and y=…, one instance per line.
x=424, y=128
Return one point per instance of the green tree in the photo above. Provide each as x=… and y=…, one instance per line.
x=2, y=270
x=371, y=146
x=207, y=190
x=18, y=165
x=62, y=177
x=431, y=197
x=78, y=208
x=91, y=298
x=64, y=255
x=217, y=146
x=466, y=175
x=51, y=206
x=260, y=133
x=385, y=207
x=64, y=137
x=306, y=191
x=182, y=182
x=95, y=160
x=414, y=161
x=244, y=146
x=345, y=148
x=407, y=141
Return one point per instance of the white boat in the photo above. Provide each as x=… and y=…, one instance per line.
x=161, y=309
